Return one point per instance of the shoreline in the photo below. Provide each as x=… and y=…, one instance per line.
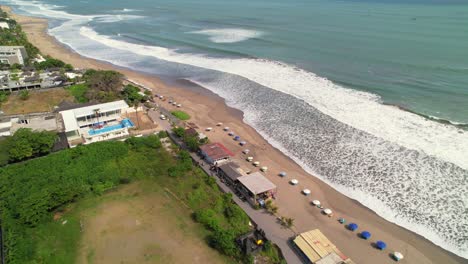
x=199, y=103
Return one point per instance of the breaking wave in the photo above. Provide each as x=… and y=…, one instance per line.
x=229, y=35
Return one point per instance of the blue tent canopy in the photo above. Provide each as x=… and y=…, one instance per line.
x=236, y=138
x=381, y=245
x=352, y=226
x=366, y=235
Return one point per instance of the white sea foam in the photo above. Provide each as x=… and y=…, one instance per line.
x=229, y=35
x=360, y=110
x=116, y=18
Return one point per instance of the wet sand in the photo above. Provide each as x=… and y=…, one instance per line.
x=207, y=109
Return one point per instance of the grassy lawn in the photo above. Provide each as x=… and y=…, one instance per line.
x=38, y=101
x=181, y=115
x=78, y=91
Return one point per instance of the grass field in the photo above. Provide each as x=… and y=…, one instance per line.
x=38, y=101
x=181, y=115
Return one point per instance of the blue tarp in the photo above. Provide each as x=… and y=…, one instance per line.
x=366, y=235
x=352, y=226
x=380, y=245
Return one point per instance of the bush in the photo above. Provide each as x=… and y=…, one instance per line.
x=208, y=218
x=79, y=92
x=224, y=241
x=179, y=131
x=24, y=95
x=162, y=134
x=181, y=115
x=25, y=144
x=132, y=96
x=192, y=143
x=49, y=63
x=4, y=96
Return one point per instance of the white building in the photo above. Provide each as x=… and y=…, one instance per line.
x=95, y=123
x=4, y=25
x=13, y=54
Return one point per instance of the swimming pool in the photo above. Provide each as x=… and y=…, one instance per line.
x=126, y=123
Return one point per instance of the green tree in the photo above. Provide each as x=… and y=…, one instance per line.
x=192, y=143
x=104, y=86
x=26, y=143
x=24, y=95
x=131, y=95
x=179, y=131
x=224, y=241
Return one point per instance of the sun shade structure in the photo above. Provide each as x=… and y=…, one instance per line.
x=246, y=151
x=226, y=128
x=231, y=171
x=256, y=183
x=249, y=159
x=380, y=245
x=282, y=174
x=236, y=138
x=242, y=143
x=365, y=235
x=209, y=129
x=397, y=256
x=352, y=226
x=256, y=163
x=231, y=133
x=306, y=191
x=294, y=182
x=264, y=168
x=327, y=211
x=316, y=202
x=315, y=246
x=219, y=124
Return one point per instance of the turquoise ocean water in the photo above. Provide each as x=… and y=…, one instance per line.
x=320, y=79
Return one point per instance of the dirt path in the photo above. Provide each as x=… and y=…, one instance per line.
x=142, y=224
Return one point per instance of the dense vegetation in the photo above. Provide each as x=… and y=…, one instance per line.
x=52, y=63
x=32, y=191
x=181, y=115
x=14, y=36
x=132, y=95
x=103, y=86
x=79, y=92
x=26, y=144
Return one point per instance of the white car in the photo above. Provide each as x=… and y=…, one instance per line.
x=163, y=117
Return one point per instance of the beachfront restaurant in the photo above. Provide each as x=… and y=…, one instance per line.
x=229, y=173
x=314, y=247
x=215, y=153
x=257, y=188
x=97, y=122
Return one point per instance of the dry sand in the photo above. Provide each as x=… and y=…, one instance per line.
x=208, y=109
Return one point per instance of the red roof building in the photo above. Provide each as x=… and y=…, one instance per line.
x=215, y=152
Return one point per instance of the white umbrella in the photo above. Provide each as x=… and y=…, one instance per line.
x=219, y=124
x=256, y=163
x=306, y=191
x=316, y=202
x=294, y=181
x=179, y=105
x=249, y=159
x=242, y=143
x=282, y=174
x=226, y=128
x=398, y=256
x=264, y=169
x=209, y=129
x=231, y=133
x=246, y=151
x=327, y=211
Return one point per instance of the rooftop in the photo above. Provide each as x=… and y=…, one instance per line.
x=316, y=246
x=216, y=151
x=232, y=170
x=256, y=183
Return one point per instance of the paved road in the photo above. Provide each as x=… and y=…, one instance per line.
x=273, y=230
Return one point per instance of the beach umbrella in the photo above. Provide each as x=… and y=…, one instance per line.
x=380, y=245
x=249, y=159
x=316, y=202
x=174, y=103
x=264, y=169
x=397, y=256
x=209, y=129
x=256, y=163
x=226, y=128
x=327, y=211
x=353, y=227
x=236, y=138
x=282, y=174
x=242, y=143
x=342, y=220
x=306, y=191
x=246, y=151
x=179, y=105
x=231, y=133
x=294, y=182
x=219, y=124
x=365, y=235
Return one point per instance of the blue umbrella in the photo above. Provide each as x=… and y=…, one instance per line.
x=366, y=235
x=236, y=138
x=352, y=226
x=381, y=245
x=282, y=174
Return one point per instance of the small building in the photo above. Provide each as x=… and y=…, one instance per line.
x=13, y=54
x=257, y=188
x=4, y=25
x=230, y=172
x=215, y=153
x=315, y=248
x=97, y=122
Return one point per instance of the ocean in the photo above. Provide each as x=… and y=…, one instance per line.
x=370, y=96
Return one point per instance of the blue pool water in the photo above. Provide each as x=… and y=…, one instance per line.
x=125, y=123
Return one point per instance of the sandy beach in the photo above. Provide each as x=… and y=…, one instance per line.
x=207, y=109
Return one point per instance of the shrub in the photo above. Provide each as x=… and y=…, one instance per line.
x=181, y=115
x=24, y=95
x=179, y=131
x=224, y=241
x=162, y=134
